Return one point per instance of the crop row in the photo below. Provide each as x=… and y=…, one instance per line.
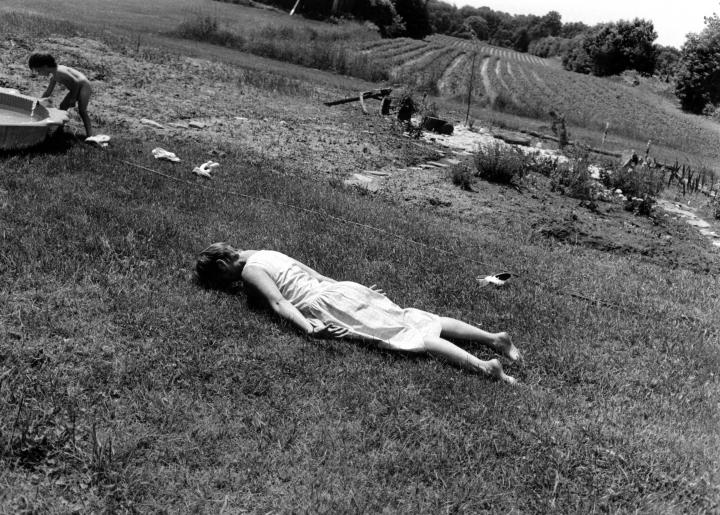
x=414, y=55
x=397, y=47
x=426, y=71
x=484, y=48
x=592, y=102
x=454, y=80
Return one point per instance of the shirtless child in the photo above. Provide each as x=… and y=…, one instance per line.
x=76, y=82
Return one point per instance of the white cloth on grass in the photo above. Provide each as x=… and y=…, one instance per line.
x=100, y=140
x=366, y=314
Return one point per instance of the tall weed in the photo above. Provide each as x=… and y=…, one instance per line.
x=502, y=164
x=38, y=26
x=329, y=49
x=461, y=175
x=574, y=179
x=640, y=181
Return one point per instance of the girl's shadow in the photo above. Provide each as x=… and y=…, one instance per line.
x=58, y=143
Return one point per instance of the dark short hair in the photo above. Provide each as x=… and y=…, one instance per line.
x=206, y=267
x=41, y=61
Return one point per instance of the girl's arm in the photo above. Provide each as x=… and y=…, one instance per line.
x=50, y=88
x=258, y=278
x=268, y=289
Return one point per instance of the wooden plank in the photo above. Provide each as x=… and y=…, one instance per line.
x=375, y=93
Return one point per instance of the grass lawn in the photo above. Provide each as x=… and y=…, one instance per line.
x=127, y=387
x=124, y=387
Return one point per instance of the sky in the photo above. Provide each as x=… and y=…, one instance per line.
x=672, y=19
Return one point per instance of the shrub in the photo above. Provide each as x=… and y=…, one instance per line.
x=461, y=175
x=637, y=182
x=549, y=46
x=573, y=178
x=502, y=164
x=323, y=49
x=575, y=58
x=203, y=27
x=640, y=206
x=543, y=165
x=698, y=72
x=611, y=48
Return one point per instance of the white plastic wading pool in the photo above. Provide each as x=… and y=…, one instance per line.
x=25, y=122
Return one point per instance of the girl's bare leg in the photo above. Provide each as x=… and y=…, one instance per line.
x=83, y=101
x=460, y=358
x=499, y=342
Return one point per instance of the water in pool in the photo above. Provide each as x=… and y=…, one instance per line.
x=10, y=116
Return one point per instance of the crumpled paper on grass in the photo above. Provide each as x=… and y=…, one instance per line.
x=161, y=153
x=205, y=169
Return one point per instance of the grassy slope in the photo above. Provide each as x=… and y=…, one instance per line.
x=124, y=386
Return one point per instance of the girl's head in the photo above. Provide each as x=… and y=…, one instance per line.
x=217, y=266
x=42, y=63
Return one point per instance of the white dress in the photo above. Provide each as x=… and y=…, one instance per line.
x=365, y=313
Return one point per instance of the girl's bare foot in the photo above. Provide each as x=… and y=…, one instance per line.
x=504, y=345
x=494, y=369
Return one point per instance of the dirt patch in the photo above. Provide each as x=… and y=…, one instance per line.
x=659, y=239
x=190, y=98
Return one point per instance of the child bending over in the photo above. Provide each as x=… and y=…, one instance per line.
x=77, y=84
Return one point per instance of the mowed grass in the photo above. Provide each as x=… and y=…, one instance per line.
x=127, y=387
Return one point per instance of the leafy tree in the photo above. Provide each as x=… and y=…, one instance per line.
x=521, y=40
x=396, y=29
x=415, y=15
x=576, y=58
x=549, y=46
x=503, y=36
x=615, y=47
x=698, y=76
x=572, y=29
x=494, y=19
x=551, y=23
x=444, y=18
x=666, y=61
x=548, y=25
x=478, y=27
x=380, y=12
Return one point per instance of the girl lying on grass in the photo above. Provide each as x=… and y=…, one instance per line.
x=324, y=307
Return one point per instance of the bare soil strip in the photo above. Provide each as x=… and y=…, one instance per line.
x=451, y=79
x=489, y=91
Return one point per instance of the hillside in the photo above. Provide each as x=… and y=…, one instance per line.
x=505, y=82
x=522, y=84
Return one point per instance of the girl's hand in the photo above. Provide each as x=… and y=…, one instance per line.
x=377, y=289
x=329, y=331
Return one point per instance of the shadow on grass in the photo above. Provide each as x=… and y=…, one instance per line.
x=58, y=143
